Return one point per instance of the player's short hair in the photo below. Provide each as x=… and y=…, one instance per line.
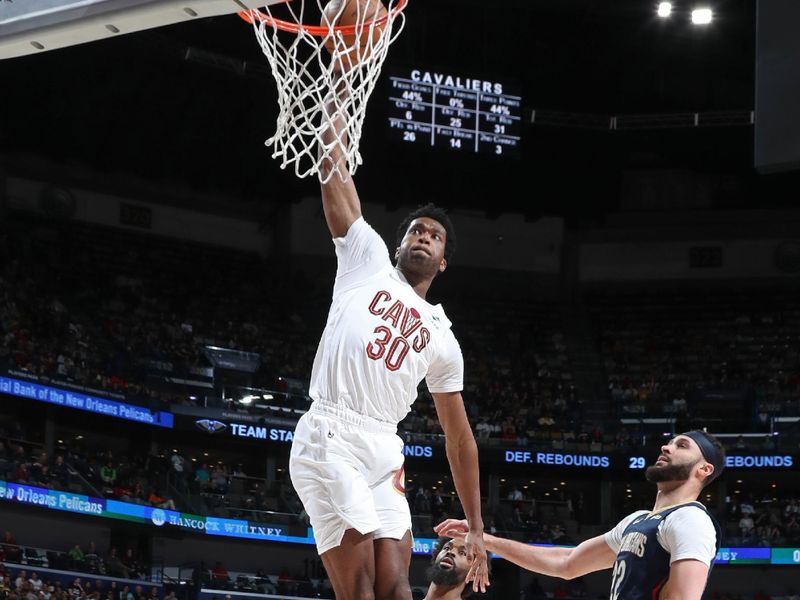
x=439, y=544
x=439, y=215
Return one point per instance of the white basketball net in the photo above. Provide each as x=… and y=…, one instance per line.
x=306, y=74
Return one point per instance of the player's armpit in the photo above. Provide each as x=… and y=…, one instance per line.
x=687, y=580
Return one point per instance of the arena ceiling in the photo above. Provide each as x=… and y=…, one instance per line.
x=135, y=107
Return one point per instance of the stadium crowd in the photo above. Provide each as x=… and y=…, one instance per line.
x=83, y=558
x=82, y=306
x=677, y=351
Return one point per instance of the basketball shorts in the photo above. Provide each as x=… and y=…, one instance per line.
x=348, y=471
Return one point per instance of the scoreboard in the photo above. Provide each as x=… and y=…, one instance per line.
x=456, y=113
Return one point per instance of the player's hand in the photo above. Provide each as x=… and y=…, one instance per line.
x=478, y=572
x=453, y=528
x=459, y=529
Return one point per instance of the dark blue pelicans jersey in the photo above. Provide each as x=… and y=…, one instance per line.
x=641, y=571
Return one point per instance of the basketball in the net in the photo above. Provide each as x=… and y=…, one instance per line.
x=358, y=45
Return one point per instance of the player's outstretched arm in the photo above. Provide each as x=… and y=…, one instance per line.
x=462, y=454
x=340, y=200
x=567, y=563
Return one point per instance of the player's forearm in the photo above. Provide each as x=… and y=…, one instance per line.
x=340, y=201
x=462, y=454
x=334, y=135
x=552, y=562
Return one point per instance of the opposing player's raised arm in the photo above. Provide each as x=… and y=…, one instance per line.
x=462, y=454
x=567, y=563
x=340, y=200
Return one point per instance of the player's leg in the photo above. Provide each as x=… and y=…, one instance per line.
x=392, y=561
x=339, y=502
x=393, y=541
x=351, y=567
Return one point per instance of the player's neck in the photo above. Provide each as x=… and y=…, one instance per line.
x=674, y=493
x=420, y=283
x=440, y=592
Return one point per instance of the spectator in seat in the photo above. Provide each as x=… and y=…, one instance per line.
x=35, y=582
x=156, y=499
x=515, y=494
x=746, y=508
x=286, y=584
x=5, y=585
x=114, y=565
x=11, y=548
x=21, y=580
x=131, y=562
x=60, y=472
x=92, y=559
x=422, y=505
x=219, y=480
x=746, y=525
x=36, y=469
x=483, y=429
x=219, y=573
x=75, y=590
x=108, y=474
x=202, y=477
x=179, y=469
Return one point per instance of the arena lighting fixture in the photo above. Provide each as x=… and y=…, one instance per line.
x=247, y=399
x=702, y=16
x=664, y=9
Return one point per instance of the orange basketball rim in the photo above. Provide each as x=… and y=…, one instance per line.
x=254, y=15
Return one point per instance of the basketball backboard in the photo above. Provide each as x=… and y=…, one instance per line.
x=32, y=26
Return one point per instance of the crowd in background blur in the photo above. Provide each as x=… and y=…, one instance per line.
x=674, y=352
x=84, y=305
x=84, y=557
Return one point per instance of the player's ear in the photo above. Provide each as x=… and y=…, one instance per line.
x=707, y=470
x=442, y=265
x=397, y=253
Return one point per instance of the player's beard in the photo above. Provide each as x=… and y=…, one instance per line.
x=444, y=577
x=669, y=472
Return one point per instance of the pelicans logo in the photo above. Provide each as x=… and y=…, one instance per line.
x=210, y=425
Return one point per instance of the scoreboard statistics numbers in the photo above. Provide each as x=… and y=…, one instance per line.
x=456, y=113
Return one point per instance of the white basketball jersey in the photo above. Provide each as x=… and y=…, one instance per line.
x=381, y=338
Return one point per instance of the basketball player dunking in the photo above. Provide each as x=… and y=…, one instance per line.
x=381, y=339
x=666, y=552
